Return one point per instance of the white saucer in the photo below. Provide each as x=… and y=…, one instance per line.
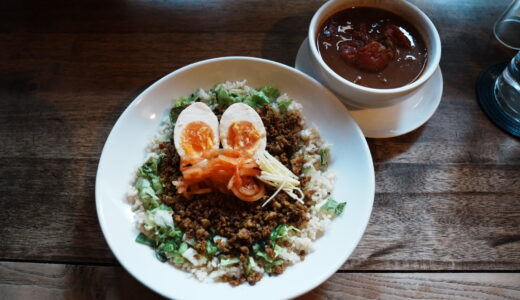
x=390, y=121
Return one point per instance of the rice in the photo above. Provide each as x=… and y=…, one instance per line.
x=319, y=187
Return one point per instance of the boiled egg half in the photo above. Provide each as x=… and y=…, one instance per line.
x=242, y=129
x=196, y=131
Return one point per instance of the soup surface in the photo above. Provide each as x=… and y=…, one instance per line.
x=372, y=47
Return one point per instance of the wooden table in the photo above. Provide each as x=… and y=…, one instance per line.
x=446, y=217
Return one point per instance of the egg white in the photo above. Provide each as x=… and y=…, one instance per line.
x=197, y=111
x=242, y=112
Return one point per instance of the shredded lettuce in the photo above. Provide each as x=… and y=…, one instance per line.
x=157, y=185
x=169, y=245
x=259, y=98
x=175, y=254
x=281, y=232
x=333, y=206
x=160, y=216
x=151, y=166
x=264, y=256
x=227, y=262
x=165, y=233
x=200, y=95
x=277, y=250
x=149, y=184
x=324, y=157
x=147, y=193
x=250, y=102
x=224, y=98
x=251, y=265
x=268, y=262
x=217, y=239
x=143, y=239
x=209, y=98
x=220, y=96
x=271, y=92
x=172, y=250
x=211, y=248
x=183, y=101
x=270, y=266
x=175, y=112
x=284, y=105
x=307, y=170
x=180, y=104
x=177, y=259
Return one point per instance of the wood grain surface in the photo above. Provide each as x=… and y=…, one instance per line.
x=447, y=194
x=59, y=281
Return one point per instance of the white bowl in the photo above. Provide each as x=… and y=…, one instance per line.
x=124, y=151
x=359, y=95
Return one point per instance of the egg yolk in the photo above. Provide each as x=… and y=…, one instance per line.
x=243, y=136
x=197, y=138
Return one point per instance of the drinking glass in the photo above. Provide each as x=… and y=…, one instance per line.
x=498, y=87
x=507, y=85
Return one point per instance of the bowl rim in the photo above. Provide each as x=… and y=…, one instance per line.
x=431, y=65
x=100, y=208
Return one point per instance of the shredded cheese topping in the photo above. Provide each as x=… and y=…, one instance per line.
x=276, y=174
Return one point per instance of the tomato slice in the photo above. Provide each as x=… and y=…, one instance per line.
x=250, y=190
x=225, y=170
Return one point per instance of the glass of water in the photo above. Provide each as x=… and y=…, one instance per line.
x=507, y=85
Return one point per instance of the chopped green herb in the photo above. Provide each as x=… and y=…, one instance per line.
x=333, y=206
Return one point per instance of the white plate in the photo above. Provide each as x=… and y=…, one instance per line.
x=124, y=151
x=390, y=121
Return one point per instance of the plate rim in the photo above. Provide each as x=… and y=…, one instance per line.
x=136, y=100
